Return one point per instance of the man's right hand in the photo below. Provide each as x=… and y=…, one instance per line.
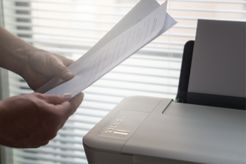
x=31, y=120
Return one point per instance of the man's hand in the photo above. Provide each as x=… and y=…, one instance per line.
x=41, y=66
x=31, y=120
x=36, y=66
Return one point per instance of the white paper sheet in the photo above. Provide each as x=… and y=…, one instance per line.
x=146, y=21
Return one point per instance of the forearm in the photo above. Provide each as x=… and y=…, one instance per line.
x=2, y=122
x=13, y=52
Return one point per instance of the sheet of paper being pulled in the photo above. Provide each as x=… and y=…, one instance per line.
x=146, y=21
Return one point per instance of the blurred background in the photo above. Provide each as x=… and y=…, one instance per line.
x=71, y=28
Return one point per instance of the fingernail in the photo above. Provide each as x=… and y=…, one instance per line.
x=67, y=96
x=66, y=74
x=69, y=75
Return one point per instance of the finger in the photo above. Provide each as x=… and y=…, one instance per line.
x=54, y=99
x=76, y=101
x=69, y=107
x=62, y=71
x=67, y=62
x=64, y=60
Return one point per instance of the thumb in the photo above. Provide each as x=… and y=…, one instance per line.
x=61, y=71
x=69, y=107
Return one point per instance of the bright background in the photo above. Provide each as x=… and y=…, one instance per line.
x=71, y=27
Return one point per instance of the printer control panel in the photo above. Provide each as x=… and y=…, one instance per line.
x=123, y=125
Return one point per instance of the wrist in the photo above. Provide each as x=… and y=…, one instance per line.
x=14, y=52
x=17, y=59
x=23, y=54
x=2, y=111
x=2, y=108
x=4, y=122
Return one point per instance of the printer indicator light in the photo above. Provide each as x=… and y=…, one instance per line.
x=121, y=132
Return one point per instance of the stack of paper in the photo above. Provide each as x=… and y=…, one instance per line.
x=146, y=21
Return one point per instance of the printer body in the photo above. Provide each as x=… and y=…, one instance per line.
x=148, y=130
x=205, y=124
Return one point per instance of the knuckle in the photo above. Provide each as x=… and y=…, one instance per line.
x=34, y=103
x=42, y=143
x=36, y=93
x=51, y=134
x=55, y=118
x=52, y=127
x=52, y=118
x=46, y=142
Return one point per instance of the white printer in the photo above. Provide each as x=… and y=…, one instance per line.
x=206, y=123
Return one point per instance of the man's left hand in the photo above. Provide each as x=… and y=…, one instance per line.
x=42, y=66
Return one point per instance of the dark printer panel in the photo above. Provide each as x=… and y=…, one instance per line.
x=216, y=71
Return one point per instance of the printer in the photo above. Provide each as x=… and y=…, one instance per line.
x=205, y=124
